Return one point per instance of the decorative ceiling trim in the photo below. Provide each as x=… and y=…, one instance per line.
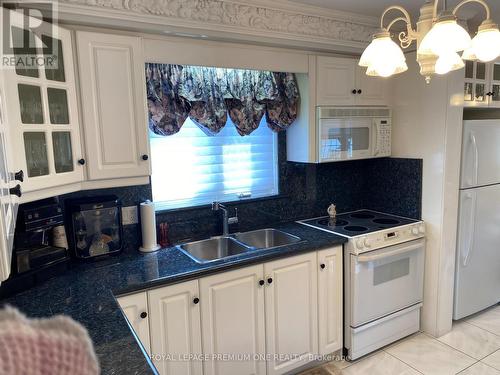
x=282, y=20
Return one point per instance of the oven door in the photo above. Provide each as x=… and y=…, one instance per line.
x=385, y=281
x=346, y=138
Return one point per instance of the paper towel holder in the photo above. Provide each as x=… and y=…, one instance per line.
x=148, y=228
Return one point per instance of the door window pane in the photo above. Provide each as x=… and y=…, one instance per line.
x=469, y=69
x=496, y=72
x=30, y=103
x=480, y=70
x=468, y=91
x=63, y=154
x=390, y=271
x=54, y=46
x=480, y=97
x=58, y=106
x=496, y=93
x=35, y=148
x=22, y=40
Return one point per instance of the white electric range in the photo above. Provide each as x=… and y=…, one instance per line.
x=383, y=277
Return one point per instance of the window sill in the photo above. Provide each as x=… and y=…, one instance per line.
x=227, y=203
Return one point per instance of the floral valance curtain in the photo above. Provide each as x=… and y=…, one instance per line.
x=208, y=95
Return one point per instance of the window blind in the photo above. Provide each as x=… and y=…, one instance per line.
x=190, y=168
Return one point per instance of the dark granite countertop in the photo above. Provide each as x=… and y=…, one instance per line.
x=87, y=292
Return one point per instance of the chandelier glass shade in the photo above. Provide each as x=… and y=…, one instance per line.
x=445, y=36
x=383, y=57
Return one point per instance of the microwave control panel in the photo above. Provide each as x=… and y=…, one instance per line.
x=384, y=137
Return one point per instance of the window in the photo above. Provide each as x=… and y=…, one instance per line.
x=191, y=168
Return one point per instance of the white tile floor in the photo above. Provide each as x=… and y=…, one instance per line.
x=471, y=348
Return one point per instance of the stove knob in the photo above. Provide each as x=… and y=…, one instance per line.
x=415, y=231
x=421, y=229
x=360, y=244
x=367, y=242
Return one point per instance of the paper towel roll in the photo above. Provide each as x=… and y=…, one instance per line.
x=148, y=227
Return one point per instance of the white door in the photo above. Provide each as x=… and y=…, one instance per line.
x=291, y=312
x=480, y=153
x=330, y=303
x=476, y=86
x=370, y=90
x=42, y=113
x=113, y=88
x=174, y=319
x=494, y=93
x=477, y=278
x=135, y=307
x=335, y=82
x=232, y=315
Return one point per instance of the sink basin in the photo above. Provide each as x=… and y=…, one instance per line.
x=266, y=238
x=213, y=249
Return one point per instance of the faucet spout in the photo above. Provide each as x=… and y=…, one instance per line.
x=216, y=206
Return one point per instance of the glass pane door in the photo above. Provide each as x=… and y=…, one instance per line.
x=495, y=85
x=63, y=153
x=35, y=148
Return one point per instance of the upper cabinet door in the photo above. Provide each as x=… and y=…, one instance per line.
x=113, y=100
x=41, y=109
x=232, y=315
x=335, y=82
x=370, y=90
x=291, y=312
x=135, y=307
x=495, y=84
x=476, y=84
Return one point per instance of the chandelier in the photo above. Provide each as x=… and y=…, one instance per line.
x=440, y=40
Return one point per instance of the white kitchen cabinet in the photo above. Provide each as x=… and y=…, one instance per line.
x=113, y=99
x=135, y=307
x=330, y=300
x=174, y=319
x=232, y=315
x=41, y=111
x=291, y=312
x=482, y=84
x=341, y=82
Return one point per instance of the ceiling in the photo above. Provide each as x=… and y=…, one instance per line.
x=472, y=12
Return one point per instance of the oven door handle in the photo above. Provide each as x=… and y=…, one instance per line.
x=371, y=258
x=388, y=317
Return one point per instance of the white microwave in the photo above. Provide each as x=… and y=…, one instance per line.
x=349, y=133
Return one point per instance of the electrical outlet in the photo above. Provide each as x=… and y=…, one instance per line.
x=129, y=215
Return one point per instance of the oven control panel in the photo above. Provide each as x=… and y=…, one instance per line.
x=384, y=238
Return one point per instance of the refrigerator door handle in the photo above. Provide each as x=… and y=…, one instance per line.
x=472, y=215
x=476, y=158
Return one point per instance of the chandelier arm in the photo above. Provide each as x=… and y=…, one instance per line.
x=395, y=20
x=407, y=17
x=482, y=2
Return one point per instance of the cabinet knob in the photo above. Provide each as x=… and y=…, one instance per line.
x=261, y=282
x=145, y=157
x=196, y=300
x=144, y=315
x=16, y=190
x=19, y=176
x=354, y=92
x=323, y=266
x=81, y=161
x=270, y=280
x=359, y=91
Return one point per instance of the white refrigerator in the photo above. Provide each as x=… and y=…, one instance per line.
x=477, y=277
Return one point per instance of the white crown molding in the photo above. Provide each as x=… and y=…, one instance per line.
x=280, y=21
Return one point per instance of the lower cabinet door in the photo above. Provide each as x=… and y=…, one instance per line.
x=330, y=314
x=135, y=307
x=175, y=329
x=291, y=312
x=232, y=311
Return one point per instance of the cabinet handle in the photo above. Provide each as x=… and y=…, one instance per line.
x=81, y=161
x=359, y=91
x=354, y=92
x=16, y=190
x=196, y=300
x=270, y=280
x=261, y=282
x=19, y=176
x=145, y=157
x=323, y=266
x=144, y=315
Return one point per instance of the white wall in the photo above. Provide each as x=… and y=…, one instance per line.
x=428, y=125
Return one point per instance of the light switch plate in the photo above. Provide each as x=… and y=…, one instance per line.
x=129, y=215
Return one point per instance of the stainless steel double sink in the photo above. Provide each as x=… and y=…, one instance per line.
x=217, y=248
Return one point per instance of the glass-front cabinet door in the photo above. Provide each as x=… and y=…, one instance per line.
x=494, y=93
x=42, y=108
x=476, y=84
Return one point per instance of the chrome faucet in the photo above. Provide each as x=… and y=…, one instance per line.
x=226, y=220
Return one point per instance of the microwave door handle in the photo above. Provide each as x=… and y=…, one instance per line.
x=375, y=127
x=371, y=258
x=470, y=242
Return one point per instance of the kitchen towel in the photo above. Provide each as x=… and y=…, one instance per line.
x=148, y=226
x=56, y=346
